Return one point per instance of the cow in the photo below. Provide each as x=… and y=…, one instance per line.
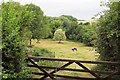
x=74, y=49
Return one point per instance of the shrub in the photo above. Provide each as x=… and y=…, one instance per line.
x=44, y=53
x=13, y=41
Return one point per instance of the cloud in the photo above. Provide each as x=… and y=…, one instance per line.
x=81, y=9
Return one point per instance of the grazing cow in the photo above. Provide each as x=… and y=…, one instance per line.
x=74, y=49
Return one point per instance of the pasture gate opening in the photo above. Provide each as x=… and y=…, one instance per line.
x=52, y=76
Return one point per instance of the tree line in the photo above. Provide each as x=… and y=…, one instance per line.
x=81, y=32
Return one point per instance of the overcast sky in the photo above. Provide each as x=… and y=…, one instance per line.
x=81, y=9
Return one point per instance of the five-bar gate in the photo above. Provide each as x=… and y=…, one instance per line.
x=45, y=74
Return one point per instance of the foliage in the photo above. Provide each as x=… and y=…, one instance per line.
x=64, y=22
x=88, y=34
x=13, y=45
x=54, y=24
x=69, y=24
x=42, y=52
x=45, y=53
x=85, y=33
x=109, y=36
x=71, y=18
x=59, y=35
x=23, y=75
x=38, y=25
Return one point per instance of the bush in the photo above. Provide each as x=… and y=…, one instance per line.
x=23, y=75
x=109, y=35
x=108, y=43
x=13, y=41
x=44, y=53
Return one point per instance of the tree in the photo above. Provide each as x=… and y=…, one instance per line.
x=54, y=23
x=37, y=23
x=59, y=35
x=109, y=36
x=42, y=31
x=70, y=25
x=64, y=22
x=88, y=34
x=71, y=18
x=13, y=41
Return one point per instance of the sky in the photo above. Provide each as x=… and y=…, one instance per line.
x=80, y=9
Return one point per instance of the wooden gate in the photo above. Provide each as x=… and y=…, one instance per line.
x=45, y=74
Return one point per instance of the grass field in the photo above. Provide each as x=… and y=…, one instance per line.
x=63, y=50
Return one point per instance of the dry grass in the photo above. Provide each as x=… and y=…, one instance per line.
x=63, y=50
